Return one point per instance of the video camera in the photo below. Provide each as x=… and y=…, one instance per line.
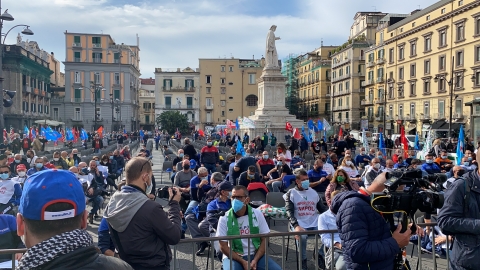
x=422, y=193
x=162, y=193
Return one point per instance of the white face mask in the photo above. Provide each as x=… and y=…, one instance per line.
x=22, y=174
x=377, y=166
x=56, y=159
x=348, y=163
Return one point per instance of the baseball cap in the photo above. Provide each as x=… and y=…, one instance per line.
x=21, y=167
x=225, y=185
x=48, y=187
x=193, y=164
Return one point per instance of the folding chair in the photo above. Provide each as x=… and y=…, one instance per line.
x=275, y=199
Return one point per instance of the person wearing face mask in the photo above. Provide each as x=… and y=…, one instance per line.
x=458, y=172
x=209, y=156
x=21, y=174
x=97, y=144
x=200, y=181
x=95, y=189
x=10, y=158
x=429, y=166
x=11, y=192
x=297, y=160
x=443, y=161
x=349, y=167
x=382, y=158
x=362, y=159
x=31, y=158
x=64, y=157
x=465, y=164
x=58, y=162
x=47, y=164
x=340, y=182
x=301, y=206
x=277, y=174
x=215, y=209
x=208, y=196
x=287, y=154
x=318, y=177
x=242, y=219
x=373, y=171
x=250, y=176
x=111, y=169
x=19, y=160
x=120, y=162
x=39, y=166
x=264, y=165
x=134, y=224
x=400, y=164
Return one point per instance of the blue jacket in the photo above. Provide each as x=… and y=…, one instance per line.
x=194, y=182
x=430, y=168
x=215, y=207
x=104, y=240
x=314, y=176
x=359, y=159
x=8, y=236
x=366, y=239
x=464, y=226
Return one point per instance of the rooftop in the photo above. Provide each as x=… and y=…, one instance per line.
x=147, y=81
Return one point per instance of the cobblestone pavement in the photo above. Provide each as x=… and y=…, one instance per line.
x=184, y=259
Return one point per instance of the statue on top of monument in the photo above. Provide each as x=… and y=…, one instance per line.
x=19, y=39
x=271, y=56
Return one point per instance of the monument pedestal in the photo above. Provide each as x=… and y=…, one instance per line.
x=272, y=114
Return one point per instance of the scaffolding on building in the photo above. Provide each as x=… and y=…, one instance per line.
x=289, y=70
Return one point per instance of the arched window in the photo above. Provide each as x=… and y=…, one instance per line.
x=251, y=100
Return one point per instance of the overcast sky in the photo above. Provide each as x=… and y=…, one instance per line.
x=175, y=33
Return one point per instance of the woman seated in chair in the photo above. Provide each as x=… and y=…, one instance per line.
x=340, y=182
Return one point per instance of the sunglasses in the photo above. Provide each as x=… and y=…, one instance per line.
x=238, y=197
x=141, y=169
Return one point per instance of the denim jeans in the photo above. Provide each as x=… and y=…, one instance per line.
x=272, y=265
x=97, y=201
x=210, y=167
x=304, y=241
x=191, y=205
x=275, y=186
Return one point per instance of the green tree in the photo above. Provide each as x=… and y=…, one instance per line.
x=171, y=120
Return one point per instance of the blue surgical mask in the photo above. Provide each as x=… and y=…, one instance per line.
x=4, y=176
x=98, y=162
x=380, y=157
x=265, y=156
x=279, y=163
x=305, y=184
x=39, y=165
x=444, y=157
x=297, y=156
x=251, y=175
x=209, y=143
x=237, y=205
x=111, y=157
x=181, y=155
x=466, y=163
x=429, y=161
x=229, y=195
x=470, y=158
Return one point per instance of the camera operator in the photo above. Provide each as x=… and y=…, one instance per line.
x=140, y=229
x=460, y=217
x=367, y=241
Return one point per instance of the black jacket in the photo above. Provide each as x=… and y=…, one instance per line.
x=243, y=181
x=189, y=150
x=290, y=208
x=13, y=166
x=86, y=258
x=465, y=226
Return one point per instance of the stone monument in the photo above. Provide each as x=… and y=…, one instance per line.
x=272, y=114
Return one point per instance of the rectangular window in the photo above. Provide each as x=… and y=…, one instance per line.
x=55, y=114
x=189, y=102
x=230, y=68
x=426, y=87
x=458, y=106
x=441, y=84
x=442, y=42
x=98, y=113
x=222, y=103
x=412, y=110
x=77, y=77
x=209, y=117
x=208, y=102
x=223, y=113
x=401, y=53
x=222, y=68
x=412, y=89
x=443, y=11
x=477, y=53
x=116, y=94
x=459, y=80
x=413, y=49
x=77, y=57
x=391, y=55
x=168, y=102
x=460, y=34
x=477, y=26
x=78, y=95
x=426, y=66
x=477, y=78
x=76, y=40
x=223, y=90
x=96, y=78
x=459, y=58
x=208, y=79
x=400, y=73
x=77, y=114
x=460, y=3
x=442, y=62
x=251, y=78
x=116, y=78
x=97, y=57
x=441, y=108
x=428, y=44
x=116, y=57
x=400, y=110
x=208, y=90
x=97, y=42
x=412, y=70
x=426, y=109
x=167, y=84
x=347, y=85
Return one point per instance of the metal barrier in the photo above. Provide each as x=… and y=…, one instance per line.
x=316, y=234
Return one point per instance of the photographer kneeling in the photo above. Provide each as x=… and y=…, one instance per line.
x=140, y=229
x=367, y=241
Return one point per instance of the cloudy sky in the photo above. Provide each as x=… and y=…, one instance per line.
x=175, y=33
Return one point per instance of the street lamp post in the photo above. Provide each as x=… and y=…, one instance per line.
x=96, y=89
x=114, y=108
x=451, y=85
x=6, y=17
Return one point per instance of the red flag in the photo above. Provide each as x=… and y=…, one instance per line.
x=201, y=133
x=340, y=132
x=296, y=134
x=4, y=135
x=230, y=124
x=100, y=132
x=75, y=134
x=404, y=141
x=288, y=127
x=62, y=139
x=30, y=134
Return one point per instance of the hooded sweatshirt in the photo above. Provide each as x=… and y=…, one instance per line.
x=145, y=230
x=366, y=239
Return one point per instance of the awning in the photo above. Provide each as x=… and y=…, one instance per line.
x=442, y=125
x=410, y=128
x=49, y=122
x=476, y=101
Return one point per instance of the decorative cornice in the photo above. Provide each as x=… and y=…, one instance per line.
x=434, y=22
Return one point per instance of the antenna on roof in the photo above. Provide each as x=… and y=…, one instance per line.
x=321, y=42
x=419, y=7
x=374, y=8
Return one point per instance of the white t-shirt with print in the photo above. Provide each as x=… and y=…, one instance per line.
x=257, y=219
x=305, y=207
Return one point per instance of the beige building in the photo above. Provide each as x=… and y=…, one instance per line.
x=147, y=104
x=432, y=59
x=348, y=71
x=178, y=89
x=57, y=79
x=98, y=72
x=314, y=85
x=228, y=89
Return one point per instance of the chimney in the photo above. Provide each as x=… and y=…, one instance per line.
x=178, y=69
x=415, y=11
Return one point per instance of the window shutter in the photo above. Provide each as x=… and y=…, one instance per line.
x=193, y=84
x=101, y=55
x=186, y=83
x=164, y=83
x=93, y=55
x=171, y=83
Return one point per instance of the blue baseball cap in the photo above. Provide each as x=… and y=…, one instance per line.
x=193, y=164
x=48, y=187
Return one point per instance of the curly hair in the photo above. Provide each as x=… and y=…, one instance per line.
x=334, y=178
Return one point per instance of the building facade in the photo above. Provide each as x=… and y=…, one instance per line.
x=228, y=89
x=432, y=59
x=314, y=86
x=100, y=75
x=178, y=90
x=348, y=72
x=147, y=104
x=26, y=70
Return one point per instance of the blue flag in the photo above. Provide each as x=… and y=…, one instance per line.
x=237, y=126
x=83, y=134
x=141, y=133
x=26, y=130
x=34, y=133
x=460, y=145
x=124, y=131
x=319, y=125
x=381, y=144
x=417, y=142
x=69, y=134
x=240, y=148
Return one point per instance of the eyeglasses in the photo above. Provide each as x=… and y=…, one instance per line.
x=238, y=197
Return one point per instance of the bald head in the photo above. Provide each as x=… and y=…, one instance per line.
x=73, y=169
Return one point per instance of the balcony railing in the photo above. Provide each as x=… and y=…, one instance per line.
x=438, y=116
x=380, y=61
x=77, y=100
x=97, y=45
x=209, y=107
x=424, y=116
x=178, y=89
x=370, y=64
x=457, y=115
x=76, y=59
x=380, y=80
x=346, y=60
x=176, y=107
x=359, y=74
x=366, y=102
x=368, y=82
x=342, y=77
x=77, y=44
x=379, y=100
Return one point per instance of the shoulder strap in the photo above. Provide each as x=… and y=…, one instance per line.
x=114, y=234
x=466, y=198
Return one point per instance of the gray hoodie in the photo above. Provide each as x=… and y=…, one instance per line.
x=122, y=207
